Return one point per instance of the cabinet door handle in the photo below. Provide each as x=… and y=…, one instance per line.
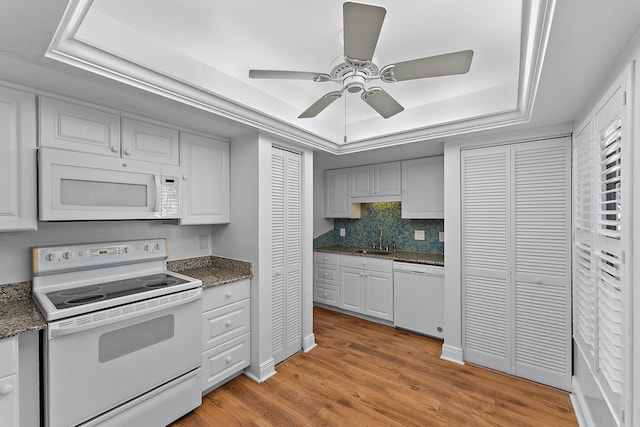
x=115, y=149
x=185, y=177
x=6, y=389
x=228, y=294
x=127, y=152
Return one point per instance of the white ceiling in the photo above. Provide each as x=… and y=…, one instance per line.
x=199, y=53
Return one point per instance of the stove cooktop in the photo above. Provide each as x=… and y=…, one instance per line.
x=74, y=297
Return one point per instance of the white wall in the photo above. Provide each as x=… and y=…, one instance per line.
x=15, y=247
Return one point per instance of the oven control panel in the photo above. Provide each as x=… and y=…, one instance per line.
x=55, y=259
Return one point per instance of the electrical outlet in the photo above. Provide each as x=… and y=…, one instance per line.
x=204, y=241
x=441, y=236
x=419, y=234
x=342, y=232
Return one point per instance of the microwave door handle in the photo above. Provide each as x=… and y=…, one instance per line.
x=156, y=207
x=59, y=331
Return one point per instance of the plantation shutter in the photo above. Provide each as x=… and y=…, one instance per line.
x=584, y=288
x=486, y=263
x=278, y=251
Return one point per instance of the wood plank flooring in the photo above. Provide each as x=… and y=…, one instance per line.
x=366, y=374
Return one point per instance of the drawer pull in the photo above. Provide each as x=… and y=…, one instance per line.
x=228, y=294
x=6, y=389
x=324, y=295
x=325, y=258
x=227, y=323
x=324, y=275
x=228, y=360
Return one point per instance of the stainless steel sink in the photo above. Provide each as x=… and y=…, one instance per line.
x=373, y=252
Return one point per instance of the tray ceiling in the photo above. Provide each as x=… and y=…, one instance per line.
x=199, y=52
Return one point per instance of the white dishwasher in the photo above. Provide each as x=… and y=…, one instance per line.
x=418, y=298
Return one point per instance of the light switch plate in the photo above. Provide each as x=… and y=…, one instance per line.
x=419, y=235
x=441, y=236
x=342, y=232
x=204, y=242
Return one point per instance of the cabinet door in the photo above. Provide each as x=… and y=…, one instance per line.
x=337, y=199
x=352, y=289
x=362, y=181
x=423, y=188
x=17, y=160
x=378, y=295
x=387, y=179
x=76, y=127
x=9, y=400
x=205, y=166
x=149, y=142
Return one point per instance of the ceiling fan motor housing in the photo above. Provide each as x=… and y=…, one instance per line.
x=354, y=83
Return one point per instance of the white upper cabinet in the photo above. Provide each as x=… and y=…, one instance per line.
x=149, y=142
x=376, y=182
x=96, y=130
x=387, y=179
x=337, y=198
x=17, y=160
x=205, y=165
x=423, y=188
x=76, y=127
x=362, y=181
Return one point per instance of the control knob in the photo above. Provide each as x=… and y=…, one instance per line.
x=67, y=255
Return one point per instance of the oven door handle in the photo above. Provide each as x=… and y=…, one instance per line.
x=114, y=315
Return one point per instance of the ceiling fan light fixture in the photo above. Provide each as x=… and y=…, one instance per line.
x=354, y=84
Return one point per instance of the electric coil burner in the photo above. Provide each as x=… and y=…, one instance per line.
x=123, y=335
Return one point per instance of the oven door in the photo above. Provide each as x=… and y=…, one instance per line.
x=99, y=361
x=79, y=186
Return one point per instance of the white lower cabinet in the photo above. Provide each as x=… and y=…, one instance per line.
x=9, y=404
x=225, y=332
x=354, y=283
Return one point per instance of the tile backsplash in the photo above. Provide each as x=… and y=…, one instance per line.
x=365, y=231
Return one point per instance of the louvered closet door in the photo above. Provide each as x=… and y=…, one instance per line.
x=541, y=212
x=485, y=258
x=286, y=256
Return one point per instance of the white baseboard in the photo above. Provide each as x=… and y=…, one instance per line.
x=267, y=370
x=452, y=353
x=580, y=407
x=309, y=343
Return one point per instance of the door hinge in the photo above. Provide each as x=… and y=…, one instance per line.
x=622, y=257
x=624, y=98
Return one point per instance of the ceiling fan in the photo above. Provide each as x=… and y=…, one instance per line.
x=361, y=27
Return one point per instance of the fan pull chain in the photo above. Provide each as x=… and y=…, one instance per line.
x=345, y=119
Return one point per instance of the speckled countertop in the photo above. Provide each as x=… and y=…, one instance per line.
x=18, y=312
x=404, y=256
x=212, y=270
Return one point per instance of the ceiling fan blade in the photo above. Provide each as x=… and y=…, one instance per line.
x=432, y=66
x=298, y=75
x=320, y=104
x=361, y=24
x=382, y=102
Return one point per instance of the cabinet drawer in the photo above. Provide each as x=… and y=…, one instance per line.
x=220, y=295
x=326, y=294
x=224, y=323
x=224, y=361
x=8, y=356
x=326, y=258
x=366, y=263
x=326, y=274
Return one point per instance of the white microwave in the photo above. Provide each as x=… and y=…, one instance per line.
x=77, y=186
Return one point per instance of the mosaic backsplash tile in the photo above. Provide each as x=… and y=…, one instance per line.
x=365, y=231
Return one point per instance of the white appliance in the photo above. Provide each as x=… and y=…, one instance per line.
x=123, y=341
x=418, y=298
x=79, y=186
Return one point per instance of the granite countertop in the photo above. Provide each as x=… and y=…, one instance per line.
x=18, y=312
x=212, y=270
x=404, y=256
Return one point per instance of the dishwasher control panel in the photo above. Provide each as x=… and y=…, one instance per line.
x=410, y=267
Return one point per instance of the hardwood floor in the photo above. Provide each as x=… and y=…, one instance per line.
x=366, y=374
